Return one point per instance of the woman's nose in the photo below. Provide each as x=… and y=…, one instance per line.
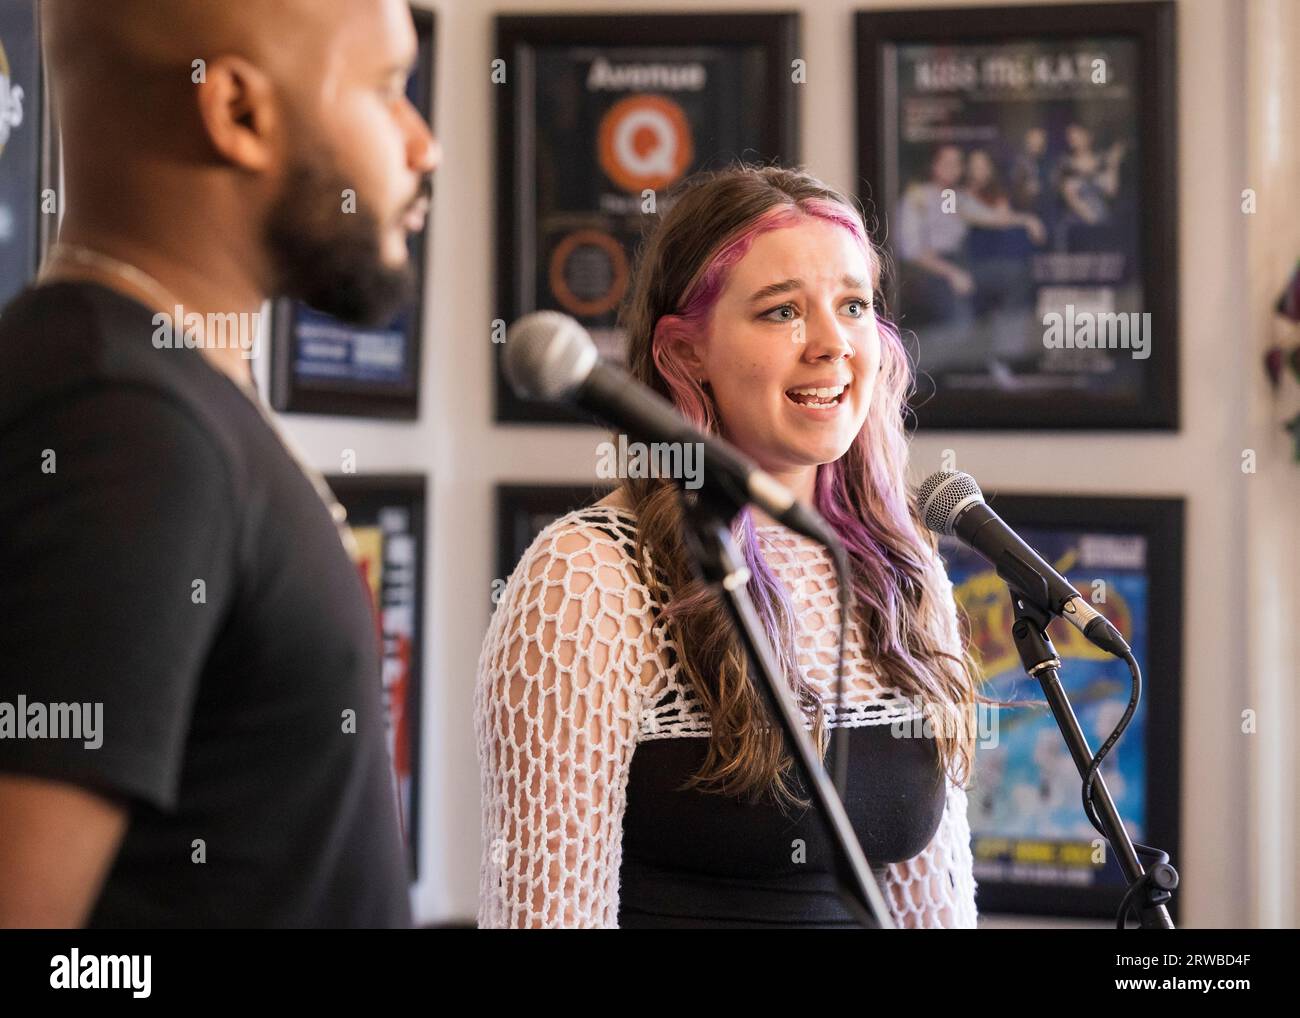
x=826, y=340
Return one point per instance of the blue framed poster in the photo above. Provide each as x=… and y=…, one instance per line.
x=1035, y=850
x=322, y=365
x=27, y=148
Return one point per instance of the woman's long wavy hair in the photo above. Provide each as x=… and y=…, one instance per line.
x=684, y=264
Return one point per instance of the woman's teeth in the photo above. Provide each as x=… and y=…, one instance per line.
x=824, y=397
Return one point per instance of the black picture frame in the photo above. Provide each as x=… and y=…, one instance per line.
x=1016, y=384
x=1097, y=535
x=387, y=514
x=293, y=392
x=524, y=510
x=29, y=148
x=521, y=42
x=51, y=160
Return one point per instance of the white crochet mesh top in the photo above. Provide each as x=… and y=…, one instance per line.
x=576, y=673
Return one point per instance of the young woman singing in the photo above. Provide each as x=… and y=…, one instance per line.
x=630, y=776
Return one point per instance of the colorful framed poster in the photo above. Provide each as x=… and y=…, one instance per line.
x=1035, y=850
x=386, y=515
x=321, y=365
x=598, y=117
x=524, y=510
x=28, y=150
x=1022, y=161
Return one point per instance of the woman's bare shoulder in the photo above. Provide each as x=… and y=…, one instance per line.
x=617, y=499
x=602, y=533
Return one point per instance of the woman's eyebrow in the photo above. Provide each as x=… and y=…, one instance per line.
x=772, y=289
x=786, y=285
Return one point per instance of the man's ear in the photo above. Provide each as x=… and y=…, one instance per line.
x=237, y=106
x=678, y=344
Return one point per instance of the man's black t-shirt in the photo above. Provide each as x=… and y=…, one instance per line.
x=241, y=715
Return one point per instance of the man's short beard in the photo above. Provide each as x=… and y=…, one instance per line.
x=330, y=259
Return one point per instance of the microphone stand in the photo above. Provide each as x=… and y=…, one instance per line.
x=1039, y=658
x=719, y=563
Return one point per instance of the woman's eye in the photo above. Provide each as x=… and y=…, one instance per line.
x=863, y=306
x=777, y=310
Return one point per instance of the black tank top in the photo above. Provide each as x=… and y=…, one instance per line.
x=699, y=859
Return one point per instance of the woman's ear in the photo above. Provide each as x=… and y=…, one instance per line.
x=679, y=346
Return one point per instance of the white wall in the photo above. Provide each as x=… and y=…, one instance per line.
x=457, y=443
x=1273, y=496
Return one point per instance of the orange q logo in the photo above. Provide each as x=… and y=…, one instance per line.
x=644, y=142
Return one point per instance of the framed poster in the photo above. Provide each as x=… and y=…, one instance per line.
x=28, y=150
x=1023, y=163
x=524, y=510
x=386, y=514
x=321, y=365
x=1033, y=846
x=597, y=118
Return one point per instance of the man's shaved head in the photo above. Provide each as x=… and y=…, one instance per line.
x=242, y=124
x=140, y=54
x=162, y=32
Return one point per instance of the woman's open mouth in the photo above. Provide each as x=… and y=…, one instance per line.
x=818, y=398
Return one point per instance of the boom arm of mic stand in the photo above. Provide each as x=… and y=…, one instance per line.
x=719, y=562
x=1039, y=658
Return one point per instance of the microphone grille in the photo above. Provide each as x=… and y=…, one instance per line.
x=943, y=495
x=548, y=356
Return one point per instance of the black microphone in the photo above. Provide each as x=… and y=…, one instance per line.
x=549, y=356
x=951, y=503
